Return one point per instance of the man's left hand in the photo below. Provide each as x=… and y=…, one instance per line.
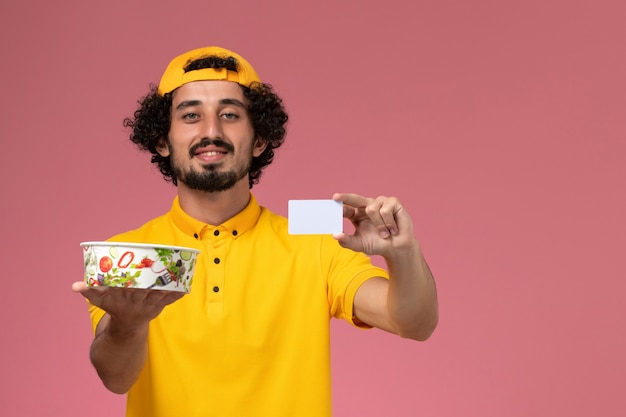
x=382, y=225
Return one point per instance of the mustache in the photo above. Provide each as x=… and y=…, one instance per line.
x=206, y=142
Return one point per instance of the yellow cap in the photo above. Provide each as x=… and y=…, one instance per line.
x=175, y=75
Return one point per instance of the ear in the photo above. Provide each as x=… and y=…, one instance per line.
x=163, y=148
x=258, y=147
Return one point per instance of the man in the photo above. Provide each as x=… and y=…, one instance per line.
x=252, y=337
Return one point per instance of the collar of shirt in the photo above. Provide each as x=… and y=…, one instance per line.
x=235, y=226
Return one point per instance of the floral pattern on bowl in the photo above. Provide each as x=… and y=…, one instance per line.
x=139, y=265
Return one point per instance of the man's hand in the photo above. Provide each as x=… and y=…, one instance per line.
x=130, y=306
x=406, y=304
x=382, y=225
x=119, y=350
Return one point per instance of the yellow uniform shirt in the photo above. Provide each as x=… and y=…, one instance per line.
x=252, y=337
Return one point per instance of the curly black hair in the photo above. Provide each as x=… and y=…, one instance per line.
x=151, y=121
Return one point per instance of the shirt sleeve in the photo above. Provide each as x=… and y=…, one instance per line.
x=346, y=272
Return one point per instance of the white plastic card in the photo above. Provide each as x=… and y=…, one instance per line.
x=315, y=217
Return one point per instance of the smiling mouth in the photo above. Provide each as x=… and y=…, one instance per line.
x=211, y=149
x=211, y=153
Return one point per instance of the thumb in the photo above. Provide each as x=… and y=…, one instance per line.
x=79, y=286
x=349, y=242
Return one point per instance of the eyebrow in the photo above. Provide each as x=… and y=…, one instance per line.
x=233, y=102
x=188, y=103
x=224, y=101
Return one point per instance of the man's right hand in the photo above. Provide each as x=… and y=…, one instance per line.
x=119, y=350
x=128, y=306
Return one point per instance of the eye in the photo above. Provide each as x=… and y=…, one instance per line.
x=191, y=116
x=230, y=116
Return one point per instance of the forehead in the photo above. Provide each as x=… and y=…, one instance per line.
x=208, y=91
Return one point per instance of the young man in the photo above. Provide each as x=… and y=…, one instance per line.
x=252, y=337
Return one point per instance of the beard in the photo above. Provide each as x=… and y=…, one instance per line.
x=209, y=179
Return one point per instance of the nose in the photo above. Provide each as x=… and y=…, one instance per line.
x=212, y=127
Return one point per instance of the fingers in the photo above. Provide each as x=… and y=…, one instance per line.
x=352, y=242
x=93, y=294
x=139, y=296
x=381, y=211
x=353, y=205
x=115, y=299
x=79, y=286
x=161, y=298
x=349, y=212
x=353, y=200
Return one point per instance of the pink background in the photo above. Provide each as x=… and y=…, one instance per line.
x=499, y=124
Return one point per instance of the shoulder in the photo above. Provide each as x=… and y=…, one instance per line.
x=274, y=220
x=144, y=233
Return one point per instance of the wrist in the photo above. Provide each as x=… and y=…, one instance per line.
x=405, y=251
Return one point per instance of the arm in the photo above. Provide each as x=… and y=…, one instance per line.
x=119, y=349
x=118, y=353
x=406, y=304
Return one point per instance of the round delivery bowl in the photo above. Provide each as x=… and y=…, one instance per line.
x=139, y=265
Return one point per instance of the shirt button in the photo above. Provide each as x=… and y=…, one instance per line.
x=234, y=233
x=216, y=260
x=195, y=235
x=216, y=289
x=216, y=233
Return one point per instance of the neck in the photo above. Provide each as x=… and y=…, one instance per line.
x=214, y=208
